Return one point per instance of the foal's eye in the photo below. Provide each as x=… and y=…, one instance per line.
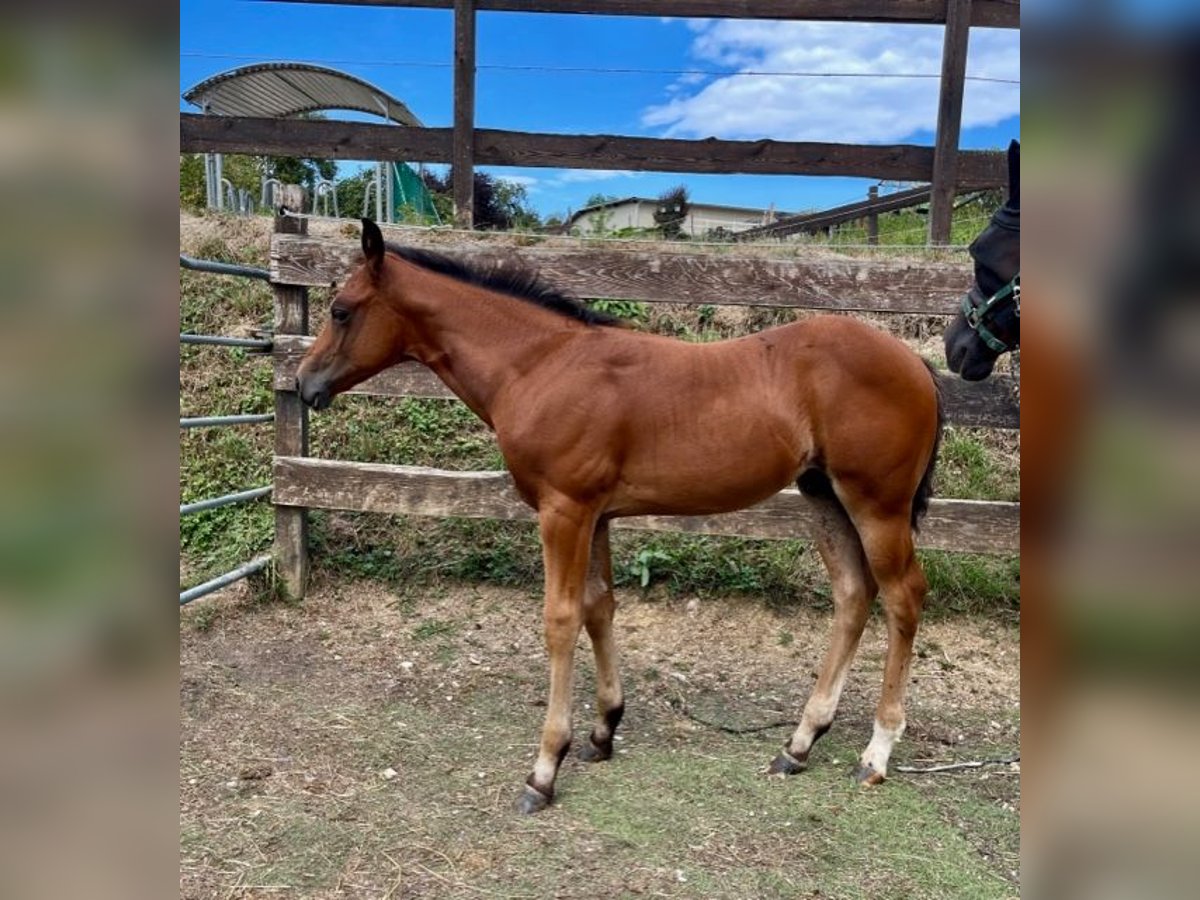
x=339, y=314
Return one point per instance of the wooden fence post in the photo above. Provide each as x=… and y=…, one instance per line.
x=464, y=114
x=291, y=431
x=945, y=151
x=873, y=216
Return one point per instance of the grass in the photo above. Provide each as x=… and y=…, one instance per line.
x=410, y=553
x=908, y=227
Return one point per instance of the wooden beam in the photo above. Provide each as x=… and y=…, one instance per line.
x=291, y=431
x=988, y=13
x=816, y=221
x=332, y=139
x=988, y=404
x=821, y=282
x=463, y=164
x=873, y=214
x=949, y=125
x=959, y=525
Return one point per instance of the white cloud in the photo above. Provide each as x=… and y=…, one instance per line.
x=842, y=110
x=580, y=176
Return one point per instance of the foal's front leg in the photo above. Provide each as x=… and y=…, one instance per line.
x=566, y=529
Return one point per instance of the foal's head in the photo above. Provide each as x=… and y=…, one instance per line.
x=364, y=335
x=989, y=322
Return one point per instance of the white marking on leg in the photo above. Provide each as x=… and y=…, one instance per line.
x=544, y=770
x=879, y=751
x=818, y=714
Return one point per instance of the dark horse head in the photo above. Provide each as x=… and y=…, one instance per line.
x=989, y=319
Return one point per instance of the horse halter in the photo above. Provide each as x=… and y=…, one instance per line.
x=979, y=311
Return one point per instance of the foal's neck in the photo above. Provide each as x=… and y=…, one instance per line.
x=476, y=340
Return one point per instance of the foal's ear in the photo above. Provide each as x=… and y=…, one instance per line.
x=372, y=245
x=1014, y=174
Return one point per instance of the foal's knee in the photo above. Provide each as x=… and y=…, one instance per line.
x=562, y=627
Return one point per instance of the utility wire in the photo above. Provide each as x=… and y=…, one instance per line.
x=505, y=67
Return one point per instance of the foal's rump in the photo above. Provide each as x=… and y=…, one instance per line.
x=875, y=412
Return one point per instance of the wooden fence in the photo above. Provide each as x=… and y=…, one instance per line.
x=835, y=284
x=299, y=261
x=947, y=168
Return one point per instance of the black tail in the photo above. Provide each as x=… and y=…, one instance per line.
x=920, y=504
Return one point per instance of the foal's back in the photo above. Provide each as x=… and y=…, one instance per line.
x=669, y=427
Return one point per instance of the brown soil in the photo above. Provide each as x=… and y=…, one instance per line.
x=358, y=745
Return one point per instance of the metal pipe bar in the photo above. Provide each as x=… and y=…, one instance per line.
x=214, y=421
x=255, y=565
x=220, y=268
x=225, y=500
x=221, y=341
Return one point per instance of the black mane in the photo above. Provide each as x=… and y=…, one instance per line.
x=515, y=281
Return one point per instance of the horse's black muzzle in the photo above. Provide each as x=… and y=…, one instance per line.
x=966, y=355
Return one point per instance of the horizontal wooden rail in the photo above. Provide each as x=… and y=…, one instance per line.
x=821, y=282
x=839, y=214
x=961, y=525
x=987, y=404
x=988, y=13
x=331, y=139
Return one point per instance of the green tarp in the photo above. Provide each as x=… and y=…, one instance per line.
x=412, y=198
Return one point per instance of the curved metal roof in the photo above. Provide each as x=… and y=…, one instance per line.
x=279, y=90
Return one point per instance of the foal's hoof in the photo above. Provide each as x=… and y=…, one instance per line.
x=532, y=801
x=786, y=764
x=868, y=776
x=593, y=752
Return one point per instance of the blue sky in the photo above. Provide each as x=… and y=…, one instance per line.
x=407, y=52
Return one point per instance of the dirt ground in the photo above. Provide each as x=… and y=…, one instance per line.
x=365, y=744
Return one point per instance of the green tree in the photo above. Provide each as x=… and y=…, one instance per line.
x=351, y=192
x=500, y=205
x=293, y=170
x=243, y=172
x=192, y=192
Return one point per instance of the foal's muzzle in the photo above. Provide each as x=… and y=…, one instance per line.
x=314, y=392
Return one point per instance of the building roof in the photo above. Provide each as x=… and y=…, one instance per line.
x=280, y=90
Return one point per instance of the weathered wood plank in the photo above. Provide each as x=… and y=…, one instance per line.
x=992, y=403
x=847, y=283
x=464, y=114
x=962, y=525
x=988, y=404
x=873, y=215
x=987, y=13
x=839, y=214
x=332, y=139
x=291, y=431
x=949, y=124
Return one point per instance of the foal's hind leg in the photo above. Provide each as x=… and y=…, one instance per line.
x=598, y=608
x=853, y=590
x=888, y=541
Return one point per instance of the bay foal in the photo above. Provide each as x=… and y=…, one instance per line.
x=596, y=422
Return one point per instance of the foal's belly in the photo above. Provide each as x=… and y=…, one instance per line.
x=698, y=470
